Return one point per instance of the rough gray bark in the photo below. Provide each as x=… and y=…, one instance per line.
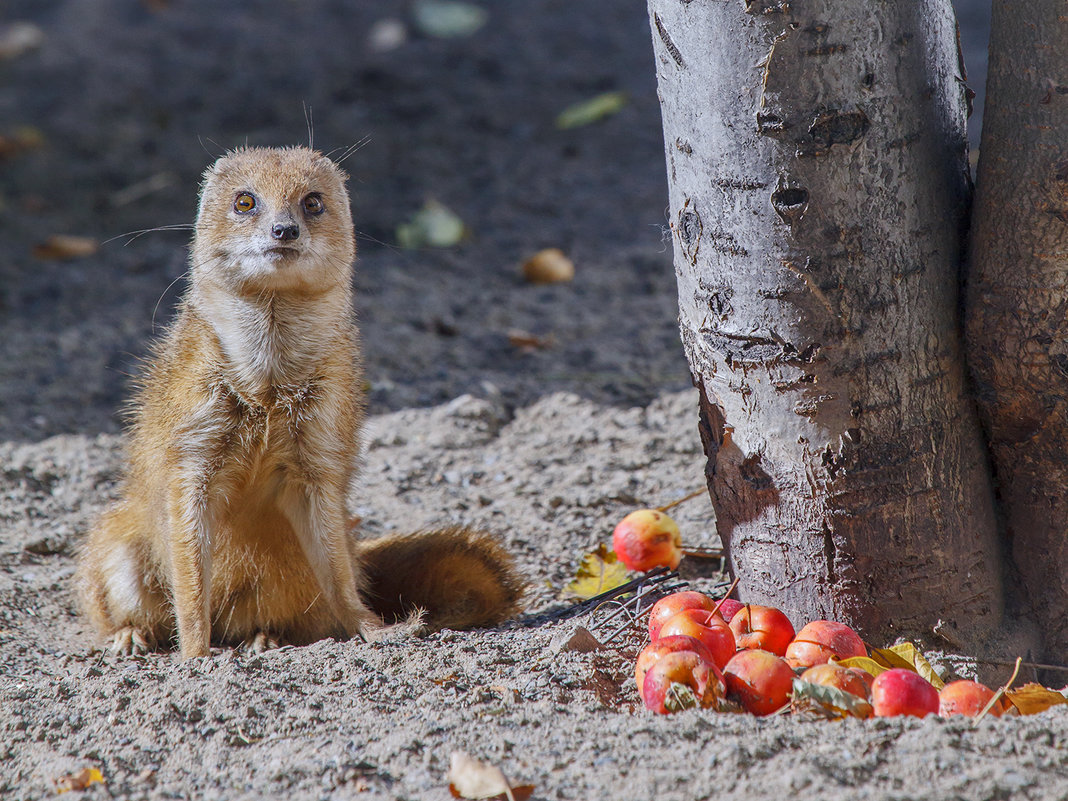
x=1017, y=320
x=818, y=184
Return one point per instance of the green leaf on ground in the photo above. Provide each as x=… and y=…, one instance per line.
x=435, y=225
x=591, y=111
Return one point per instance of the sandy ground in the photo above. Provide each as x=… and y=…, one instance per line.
x=547, y=448
x=336, y=719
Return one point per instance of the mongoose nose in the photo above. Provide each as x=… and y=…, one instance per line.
x=286, y=233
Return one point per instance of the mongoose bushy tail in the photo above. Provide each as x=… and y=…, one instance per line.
x=459, y=577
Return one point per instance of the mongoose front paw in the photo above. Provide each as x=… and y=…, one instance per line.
x=260, y=642
x=131, y=640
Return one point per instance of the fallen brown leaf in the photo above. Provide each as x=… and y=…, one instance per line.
x=19, y=141
x=526, y=341
x=470, y=778
x=549, y=266
x=19, y=38
x=62, y=247
x=1030, y=699
x=452, y=678
x=79, y=780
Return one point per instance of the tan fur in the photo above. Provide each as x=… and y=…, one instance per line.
x=232, y=524
x=465, y=577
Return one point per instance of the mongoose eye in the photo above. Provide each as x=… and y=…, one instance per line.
x=313, y=204
x=244, y=203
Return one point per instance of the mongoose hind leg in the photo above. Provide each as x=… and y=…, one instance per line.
x=119, y=589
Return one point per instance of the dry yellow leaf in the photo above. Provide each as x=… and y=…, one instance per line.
x=920, y=664
x=599, y=572
x=864, y=663
x=1034, y=698
x=79, y=781
x=907, y=656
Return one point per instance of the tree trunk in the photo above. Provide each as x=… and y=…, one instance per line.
x=1017, y=321
x=818, y=185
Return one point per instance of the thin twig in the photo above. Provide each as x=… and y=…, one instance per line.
x=1000, y=693
x=703, y=552
x=683, y=499
x=623, y=605
x=726, y=595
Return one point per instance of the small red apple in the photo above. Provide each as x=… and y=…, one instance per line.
x=820, y=640
x=831, y=674
x=646, y=539
x=671, y=605
x=660, y=690
x=967, y=698
x=667, y=645
x=759, y=680
x=706, y=627
x=762, y=627
x=728, y=608
x=902, y=692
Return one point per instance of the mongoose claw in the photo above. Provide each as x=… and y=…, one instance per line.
x=260, y=642
x=130, y=640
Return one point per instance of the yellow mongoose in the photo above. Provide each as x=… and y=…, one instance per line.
x=232, y=525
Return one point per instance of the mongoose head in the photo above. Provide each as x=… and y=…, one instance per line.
x=274, y=220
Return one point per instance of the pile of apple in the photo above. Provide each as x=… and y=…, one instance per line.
x=729, y=655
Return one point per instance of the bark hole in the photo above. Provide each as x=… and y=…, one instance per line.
x=790, y=203
x=689, y=229
x=833, y=462
x=830, y=551
x=838, y=127
x=1052, y=89
x=790, y=354
x=770, y=125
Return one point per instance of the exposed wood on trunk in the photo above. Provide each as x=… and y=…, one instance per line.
x=1017, y=322
x=818, y=186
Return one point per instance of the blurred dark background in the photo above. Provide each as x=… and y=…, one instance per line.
x=111, y=109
